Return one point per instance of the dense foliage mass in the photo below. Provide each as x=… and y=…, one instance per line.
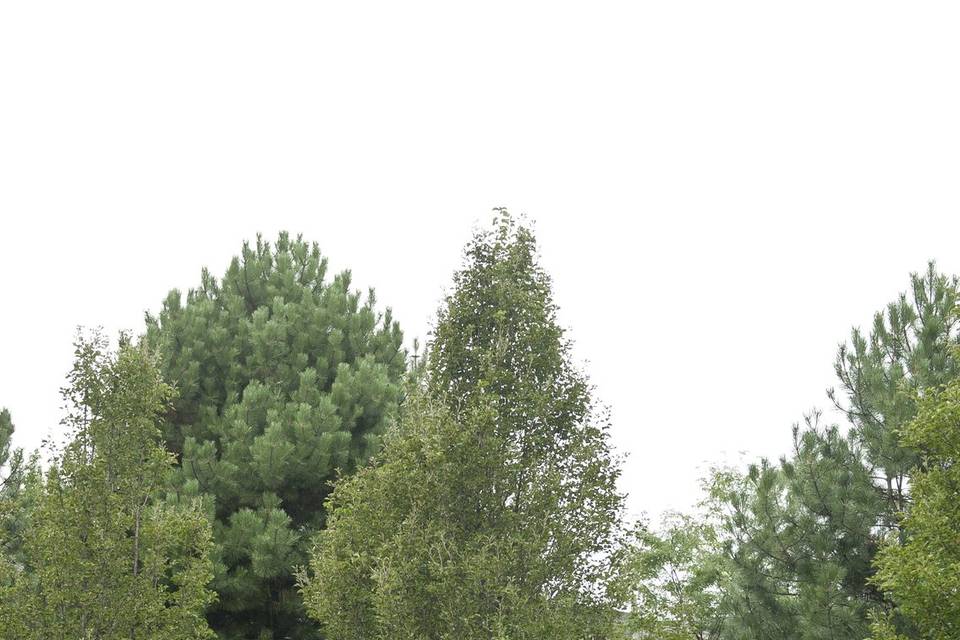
x=493, y=511
x=283, y=378
x=263, y=464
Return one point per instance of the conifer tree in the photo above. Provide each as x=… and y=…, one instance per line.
x=910, y=347
x=804, y=532
x=283, y=378
x=104, y=556
x=492, y=511
x=801, y=542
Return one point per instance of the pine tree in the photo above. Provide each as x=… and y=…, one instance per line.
x=283, y=379
x=104, y=556
x=492, y=511
x=804, y=532
x=910, y=348
x=801, y=543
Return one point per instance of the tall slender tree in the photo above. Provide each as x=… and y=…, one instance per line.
x=492, y=512
x=283, y=378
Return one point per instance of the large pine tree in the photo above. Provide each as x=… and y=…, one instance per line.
x=492, y=511
x=283, y=379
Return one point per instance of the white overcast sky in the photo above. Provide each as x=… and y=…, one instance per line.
x=720, y=189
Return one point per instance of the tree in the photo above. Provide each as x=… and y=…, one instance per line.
x=105, y=557
x=678, y=578
x=910, y=347
x=801, y=541
x=283, y=378
x=921, y=570
x=803, y=533
x=492, y=511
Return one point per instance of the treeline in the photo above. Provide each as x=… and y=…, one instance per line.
x=265, y=461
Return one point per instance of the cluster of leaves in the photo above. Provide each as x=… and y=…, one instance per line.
x=12, y=471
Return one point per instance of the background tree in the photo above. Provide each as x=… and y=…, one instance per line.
x=282, y=378
x=493, y=511
x=922, y=571
x=678, y=577
x=104, y=557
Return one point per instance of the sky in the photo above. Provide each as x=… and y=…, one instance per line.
x=721, y=190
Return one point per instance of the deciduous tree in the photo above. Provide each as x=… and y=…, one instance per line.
x=104, y=557
x=492, y=512
x=921, y=569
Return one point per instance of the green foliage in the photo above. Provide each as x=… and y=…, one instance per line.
x=910, y=347
x=103, y=556
x=283, y=378
x=492, y=512
x=678, y=578
x=11, y=481
x=801, y=542
x=922, y=569
x=802, y=534
x=10, y=460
